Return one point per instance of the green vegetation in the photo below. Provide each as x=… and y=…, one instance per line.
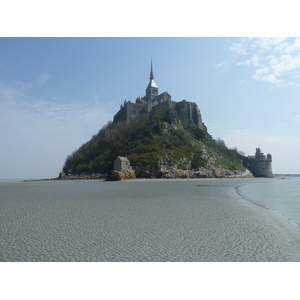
x=148, y=142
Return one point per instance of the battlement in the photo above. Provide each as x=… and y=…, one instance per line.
x=129, y=111
x=260, y=165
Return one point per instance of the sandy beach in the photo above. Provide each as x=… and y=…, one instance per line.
x=140, y=220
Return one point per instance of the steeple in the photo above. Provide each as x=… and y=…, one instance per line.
x=151, y=71
x=152, y=88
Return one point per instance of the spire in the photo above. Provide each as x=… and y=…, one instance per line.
x=151, y=72
x=152, y=82
x=152, y=88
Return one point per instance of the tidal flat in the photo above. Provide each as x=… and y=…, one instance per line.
x=140, y=220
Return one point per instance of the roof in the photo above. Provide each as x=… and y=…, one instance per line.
x=152, y=83
x=123, y=158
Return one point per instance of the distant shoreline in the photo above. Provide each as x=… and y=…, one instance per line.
x=245, y=174
x=65, y=179
x=103, y=177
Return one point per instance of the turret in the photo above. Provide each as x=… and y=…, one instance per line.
x=259, y=154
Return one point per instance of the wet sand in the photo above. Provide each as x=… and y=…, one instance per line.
x=140, y=220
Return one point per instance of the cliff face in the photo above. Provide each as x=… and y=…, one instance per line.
x=167, y=168
x=188, y=110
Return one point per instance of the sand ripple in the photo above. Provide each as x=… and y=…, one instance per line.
x=140, y=220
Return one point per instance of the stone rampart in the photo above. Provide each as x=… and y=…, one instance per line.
x=185, y=110
x=259, y=165
x=129, y=112
x=189, y=110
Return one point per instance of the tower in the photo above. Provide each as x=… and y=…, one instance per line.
x=152, y=88
x=259, y=165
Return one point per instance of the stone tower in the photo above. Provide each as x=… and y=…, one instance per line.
x=152, y=88
x=259, y=165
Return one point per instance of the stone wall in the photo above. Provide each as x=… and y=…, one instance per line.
x=189, y=110
x=162, y=108
x=161, y=104
x=260, y=167
x=129, y=112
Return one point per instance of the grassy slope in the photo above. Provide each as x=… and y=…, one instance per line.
x=148, y=142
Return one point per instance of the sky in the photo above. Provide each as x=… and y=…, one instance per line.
x=56, y=93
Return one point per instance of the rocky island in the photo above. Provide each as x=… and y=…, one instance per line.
x=161, y=138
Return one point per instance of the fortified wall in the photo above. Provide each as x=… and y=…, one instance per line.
x=259, y=165
x=158, y=104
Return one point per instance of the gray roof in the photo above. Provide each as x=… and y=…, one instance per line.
x=123, y=158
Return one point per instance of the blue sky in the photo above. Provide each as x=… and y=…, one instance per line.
x=56, y=93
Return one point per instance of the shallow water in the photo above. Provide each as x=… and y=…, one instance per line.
x=281, y=195
x=139, y=220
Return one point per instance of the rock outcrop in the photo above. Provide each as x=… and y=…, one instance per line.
x=167, y=168
x=120, y=175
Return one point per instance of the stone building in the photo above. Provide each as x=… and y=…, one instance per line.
x=122, y=164
x=153, y=103
x=122, y=170
x=259, y=165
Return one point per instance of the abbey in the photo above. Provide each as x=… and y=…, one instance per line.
x=159, y=104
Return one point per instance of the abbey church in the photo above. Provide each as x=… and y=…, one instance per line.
x=154, y=103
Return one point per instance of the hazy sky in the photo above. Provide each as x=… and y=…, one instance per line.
x=56, y=93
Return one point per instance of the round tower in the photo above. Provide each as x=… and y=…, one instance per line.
x=260, y=165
